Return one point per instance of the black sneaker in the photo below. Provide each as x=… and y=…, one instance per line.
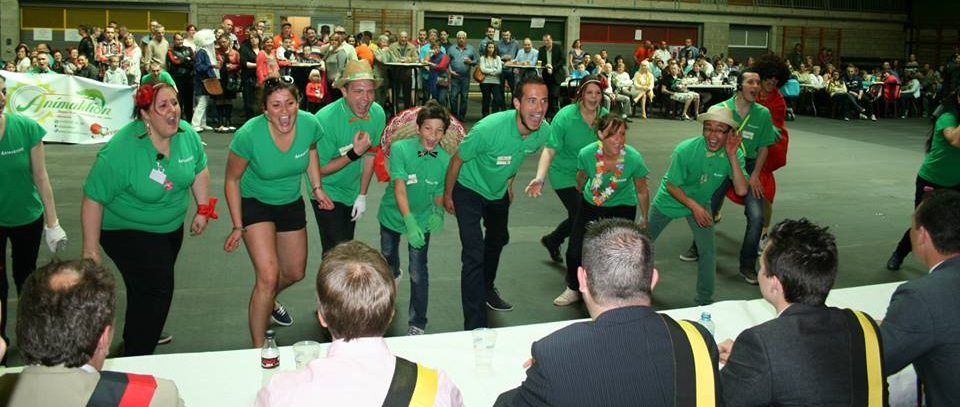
x=495, y=302
x=280, y=316
x=165, y=338
x=691, y=254
x=893, y=264
x=553, y=250
x=749, y=276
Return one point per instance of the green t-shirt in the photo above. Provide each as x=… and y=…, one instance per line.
x=20, y=202
x=759, y=130
x=338, y=124
x=568, y=135
x=697, y=172
x=625, y=193
x=941, y=166
x=164, y=77
x=273, y=176
x=424, y=178
x=137, y=190
x=493, y=151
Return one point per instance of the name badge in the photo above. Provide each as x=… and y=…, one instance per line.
x=747, y=135
x=411, y=179
x=504, y=160
x=344, y=149
x=158, y=176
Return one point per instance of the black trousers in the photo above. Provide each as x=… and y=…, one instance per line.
x=922, y=187
x=185, y=96
x=335, y=225
x=483, y=234
x=587, y=213
x=570, y=199
x=145, y=261
x=25, y=247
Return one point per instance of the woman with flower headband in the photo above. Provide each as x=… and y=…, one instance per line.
x=612, y=180
x=572, y=129
x=135, y=199
x=265, y=166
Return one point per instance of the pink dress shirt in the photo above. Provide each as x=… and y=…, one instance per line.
x=355, y=373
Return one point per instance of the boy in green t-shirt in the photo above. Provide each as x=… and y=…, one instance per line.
x=413, y=204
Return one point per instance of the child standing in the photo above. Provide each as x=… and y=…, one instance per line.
x=114, y=75
x=315, y=91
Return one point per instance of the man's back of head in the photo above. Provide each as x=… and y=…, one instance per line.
x=355, y=291
x=63, y=311
x=617, y=264
x=803, y=257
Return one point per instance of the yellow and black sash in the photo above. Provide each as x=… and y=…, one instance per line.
x=694, y=380
x=868, y=384
x=412, y=385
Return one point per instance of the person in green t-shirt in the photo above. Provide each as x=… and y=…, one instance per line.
x=351, y=125
x=758, y=133
x=265, y=166
x=157, y=74
x=572, y=128
x=27, y=207
x=478, y=190
x=697, y=167
x=940, y=166
x=413, y=204
x=134, y=203
x=611, y=182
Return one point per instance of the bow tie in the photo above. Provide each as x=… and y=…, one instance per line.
x=422, y=153
x=355, y=118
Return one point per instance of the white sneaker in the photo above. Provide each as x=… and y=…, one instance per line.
x=198, y=129
x=873, y=117
x=566, y=298
x=205, y=127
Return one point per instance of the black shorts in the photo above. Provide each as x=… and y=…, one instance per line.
x=286, y=217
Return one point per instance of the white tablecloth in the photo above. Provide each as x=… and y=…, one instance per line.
x=232, y=378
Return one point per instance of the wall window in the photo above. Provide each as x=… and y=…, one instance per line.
x=749, y=36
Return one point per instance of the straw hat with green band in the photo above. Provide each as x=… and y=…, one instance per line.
x=720, y=114
x=356, y=71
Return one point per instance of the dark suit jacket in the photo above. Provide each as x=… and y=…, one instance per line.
x=624, y=358
x=559, y=62
x=804, y=357
x=922, y=327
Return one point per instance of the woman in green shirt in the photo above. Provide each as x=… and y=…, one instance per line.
x=265, y=166
x=571, y=130
x=940, y=166
x=135, y=199
x=612, y=181
x=27, y=208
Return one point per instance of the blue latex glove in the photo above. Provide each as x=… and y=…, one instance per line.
x=414, y=233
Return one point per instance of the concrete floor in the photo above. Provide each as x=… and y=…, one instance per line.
x=857, y=177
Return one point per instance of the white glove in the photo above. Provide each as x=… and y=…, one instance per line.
x=359, y=207
x=56, y=237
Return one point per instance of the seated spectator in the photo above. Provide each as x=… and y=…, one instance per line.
x=811, y=354
x=85, y=69
x=922, y=324
x=64, y=330
x=845, y=102
x=673, y=87
x=624, y=356
x=355, y=299
x=644, y=83
x=579, y=72
x=609, y=81
x=625, y=87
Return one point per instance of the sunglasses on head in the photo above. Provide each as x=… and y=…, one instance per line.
x=277, y=81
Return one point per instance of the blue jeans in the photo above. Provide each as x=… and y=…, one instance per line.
x=419, y=279
x=480, y=253
x=459, y=89
x=753, y=210
x=703, y=237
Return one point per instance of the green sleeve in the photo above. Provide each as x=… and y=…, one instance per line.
x=677, y=169
x=105, y=180
x=397, y=163
x=641, y=170
x=556, y=138
x=33, y=131
x=470, y=147
x=241, y=144
x=586, y=159
x=770, y=132
x=945, y=121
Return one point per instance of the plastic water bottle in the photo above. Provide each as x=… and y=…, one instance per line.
x=707, y=322
x=269, y=357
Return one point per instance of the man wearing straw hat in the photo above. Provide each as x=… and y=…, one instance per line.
x=351, y=125
x=698, y=166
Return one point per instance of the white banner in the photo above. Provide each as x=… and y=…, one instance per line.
x=72, y=109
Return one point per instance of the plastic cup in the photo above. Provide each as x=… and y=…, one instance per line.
x=304, y=352
x=539, y=64
x=484, y=340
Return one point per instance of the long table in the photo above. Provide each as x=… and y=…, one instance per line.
x=232, y=378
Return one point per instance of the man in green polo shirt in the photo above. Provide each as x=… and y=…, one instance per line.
x=350, y=126
x=757, y=132
x=158, y=74
x=478, y=188
x=697, y=167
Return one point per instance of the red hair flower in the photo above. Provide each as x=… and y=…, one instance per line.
x=144, y=96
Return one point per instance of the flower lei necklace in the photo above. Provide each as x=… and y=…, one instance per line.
x=599, y=197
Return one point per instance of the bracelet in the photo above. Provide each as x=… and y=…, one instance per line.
x=353, y=156
x=240, y=228
x=315, y=188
